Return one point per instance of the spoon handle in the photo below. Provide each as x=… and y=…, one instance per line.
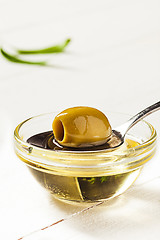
x=123, y=129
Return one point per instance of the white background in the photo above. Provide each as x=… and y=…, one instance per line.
x=111, y=63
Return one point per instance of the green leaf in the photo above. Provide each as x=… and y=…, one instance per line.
x=16, y=59
x=30, y=149
x=104, y=179
x=92, y=180
x=53, y=49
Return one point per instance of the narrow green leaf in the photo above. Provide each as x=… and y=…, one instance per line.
x=92, y=180
x=104, y=179
x=53, y=49
x=16, y=59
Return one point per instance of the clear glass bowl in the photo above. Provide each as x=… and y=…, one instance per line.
x=86, y=176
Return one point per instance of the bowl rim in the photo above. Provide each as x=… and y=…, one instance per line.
x=18, y=127
x=39, y=153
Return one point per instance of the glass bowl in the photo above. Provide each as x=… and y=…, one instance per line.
x=86, y=176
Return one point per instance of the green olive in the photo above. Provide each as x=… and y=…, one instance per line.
x=81, y=127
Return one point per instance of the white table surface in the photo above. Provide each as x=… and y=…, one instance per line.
x=112, y=63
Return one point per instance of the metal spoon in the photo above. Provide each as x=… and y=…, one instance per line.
x=119, y=133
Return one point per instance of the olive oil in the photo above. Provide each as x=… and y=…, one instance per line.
x=81, y=189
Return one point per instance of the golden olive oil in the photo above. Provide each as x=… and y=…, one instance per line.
x=85, y=189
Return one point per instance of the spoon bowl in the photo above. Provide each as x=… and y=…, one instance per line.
x=118, y=134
